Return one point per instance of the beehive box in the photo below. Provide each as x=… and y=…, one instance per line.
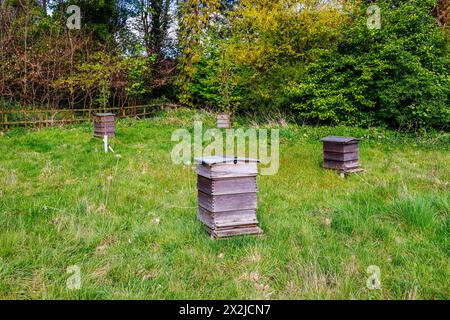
x=223, y=121
x=227, y=196
x=341, y=153
x=104, y=125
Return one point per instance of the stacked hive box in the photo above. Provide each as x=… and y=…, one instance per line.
x=104, y=125
x=223, y=121
x=227, y=196
x=341, y=153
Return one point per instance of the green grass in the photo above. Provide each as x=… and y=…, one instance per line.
x=130, y=223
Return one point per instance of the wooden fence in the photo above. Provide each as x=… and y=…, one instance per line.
x=40, y=118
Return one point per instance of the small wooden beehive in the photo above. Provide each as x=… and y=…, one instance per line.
x=227, y=196
x=341, y=153
x=223, y=121
x=104, y=125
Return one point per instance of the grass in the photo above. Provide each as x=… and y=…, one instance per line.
x=129, y=222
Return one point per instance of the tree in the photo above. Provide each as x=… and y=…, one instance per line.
x=268, y=44
x=396, y=75
x=194, y=17
x=155, y=19
x=105, y=19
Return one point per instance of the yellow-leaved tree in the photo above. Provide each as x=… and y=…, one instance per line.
x=274, y=40
x=194, y=17
x=268, y=42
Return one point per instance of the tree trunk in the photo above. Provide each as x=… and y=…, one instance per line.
x=44, y=6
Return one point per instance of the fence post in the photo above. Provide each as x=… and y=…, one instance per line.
x=4, y=115
x=2, y=109
x=40, y=119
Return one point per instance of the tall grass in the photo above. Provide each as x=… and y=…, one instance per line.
x=129, y=221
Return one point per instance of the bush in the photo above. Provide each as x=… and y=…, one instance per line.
x=396, y=75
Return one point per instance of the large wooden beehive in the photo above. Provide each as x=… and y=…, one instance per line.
x=341, y=153
x=227, y=196
x=104, y=125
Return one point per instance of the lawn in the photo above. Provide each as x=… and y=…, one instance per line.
x=128, y=220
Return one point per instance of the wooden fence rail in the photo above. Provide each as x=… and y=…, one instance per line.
x=39, y=118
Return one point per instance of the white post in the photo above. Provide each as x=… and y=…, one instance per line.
x=105, y=143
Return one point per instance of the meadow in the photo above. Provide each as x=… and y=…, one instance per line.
x=128, y=219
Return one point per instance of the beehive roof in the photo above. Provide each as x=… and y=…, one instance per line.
x=224, y=159
x=104, y=114
x=343, y=140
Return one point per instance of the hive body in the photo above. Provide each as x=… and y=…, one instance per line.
x=104, y=125
x=227, y=196
x=341, y=153
x=223, y=121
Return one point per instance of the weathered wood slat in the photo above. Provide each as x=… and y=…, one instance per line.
x=227, y=185
x=339, y=165
x=226, y=170
x=223, y=121
x=336, y=156
x=341, y=148
x=232, y=232
x=340, y=140
x=227, y=219
x=223, y=116
x=224, y=125
x=105, y=119
x=227, y=202
x=104, y=127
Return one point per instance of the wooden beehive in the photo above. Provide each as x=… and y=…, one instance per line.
x=223, y=121
x=227, y=196
x=104, y=125
x=341, y=153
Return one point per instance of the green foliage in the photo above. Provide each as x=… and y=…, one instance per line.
x=216, y=82
x=397, y=75
x=317, y=60
x=266, y=44
x=207, y=83
x=138, y=71
x=101, y=17
x=327, y=65
x=194, y=18
x=105, y=63
x=96, y=77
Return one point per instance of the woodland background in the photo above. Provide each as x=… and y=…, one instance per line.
x=314, y=60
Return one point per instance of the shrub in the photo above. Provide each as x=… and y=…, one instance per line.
x=396, y=75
